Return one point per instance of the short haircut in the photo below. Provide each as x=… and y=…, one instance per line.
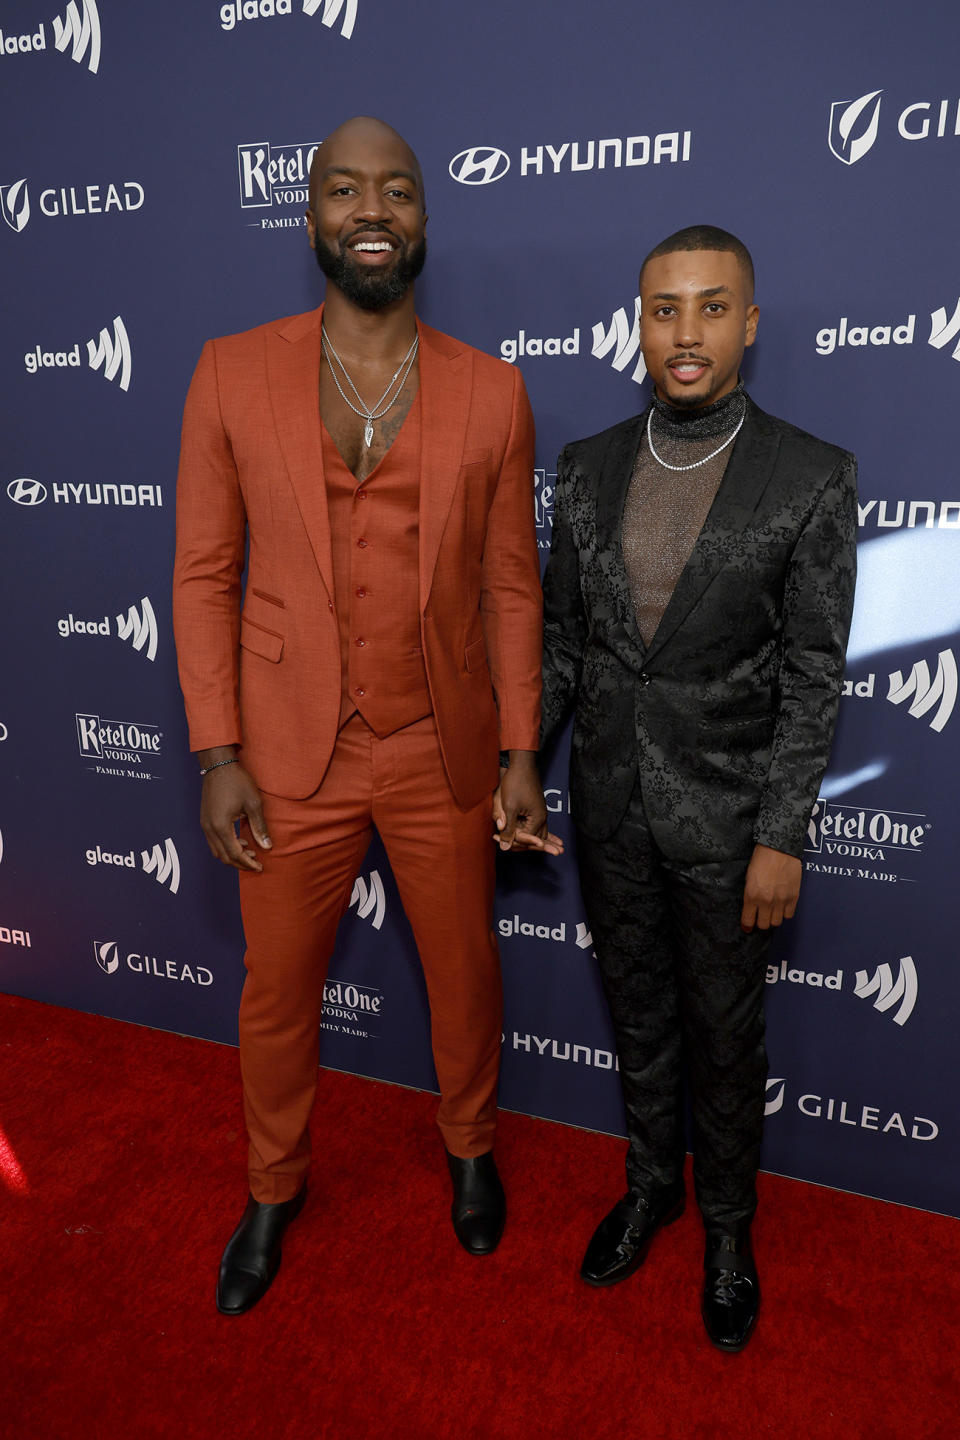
x=704, y=237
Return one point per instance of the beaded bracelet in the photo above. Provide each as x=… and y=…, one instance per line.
x=232, y=761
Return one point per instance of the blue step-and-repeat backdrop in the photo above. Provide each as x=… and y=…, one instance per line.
x=152, y=190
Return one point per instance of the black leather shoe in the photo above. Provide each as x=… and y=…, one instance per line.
x=731, y=1291
x=622, y=1239
x=252, y=1256
x=479, y=1208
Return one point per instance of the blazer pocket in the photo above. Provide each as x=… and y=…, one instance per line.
x=475, y=655
x=260, y=641
x=270, y=599
x=476, y=457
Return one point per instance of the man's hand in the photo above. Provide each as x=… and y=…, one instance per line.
x=519, y=810
x=772, y=888
x=228, y=795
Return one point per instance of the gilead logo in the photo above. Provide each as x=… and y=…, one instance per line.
x=108, y=956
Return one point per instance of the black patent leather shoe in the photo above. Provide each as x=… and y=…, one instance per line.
x=252, y=1256
x=731, y=1291
x=479, y=1209
x=622, y=1239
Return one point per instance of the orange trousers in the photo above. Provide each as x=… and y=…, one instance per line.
x=442, y=859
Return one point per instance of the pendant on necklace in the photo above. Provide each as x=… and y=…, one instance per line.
x=368, y=434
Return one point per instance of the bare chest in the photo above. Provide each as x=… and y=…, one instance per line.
x=349, y=430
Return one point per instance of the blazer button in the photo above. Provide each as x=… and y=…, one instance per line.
x=359, y=642
x=644, y=678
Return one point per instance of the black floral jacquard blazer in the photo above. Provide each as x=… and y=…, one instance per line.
x=727, y=717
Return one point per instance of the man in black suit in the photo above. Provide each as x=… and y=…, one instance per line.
x=697, y=604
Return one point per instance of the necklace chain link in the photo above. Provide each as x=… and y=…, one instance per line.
x=697, y=463
x=369, y=413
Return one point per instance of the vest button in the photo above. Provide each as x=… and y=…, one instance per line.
x=361, y=544
x=360, y=692
x=361, y=594
x=359, y=642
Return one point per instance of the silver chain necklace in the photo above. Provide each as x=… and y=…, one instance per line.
x=369, y=413
x=666, y=463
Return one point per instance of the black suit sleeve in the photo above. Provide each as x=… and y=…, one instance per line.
x=817, y=608
x=564, y=619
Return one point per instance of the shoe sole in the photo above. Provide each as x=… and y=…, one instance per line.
x=640, y=1256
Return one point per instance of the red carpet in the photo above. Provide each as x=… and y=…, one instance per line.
x=121, y=1176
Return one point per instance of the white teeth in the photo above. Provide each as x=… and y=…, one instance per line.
x=377, y=245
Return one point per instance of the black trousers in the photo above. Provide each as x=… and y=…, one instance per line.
x=685, y=988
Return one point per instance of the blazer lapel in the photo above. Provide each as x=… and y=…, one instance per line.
x=745, y=479
x=614, y=482
x=446, y=373
x=293, y=379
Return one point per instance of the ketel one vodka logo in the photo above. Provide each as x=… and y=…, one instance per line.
x=162, y=862
x=138, y=627
x=118, y=747
x=863, y=833
x=75, y=33
x=272, y=175
x=111, y=958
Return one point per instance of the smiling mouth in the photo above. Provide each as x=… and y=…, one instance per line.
x=687, y=369
x=372, y=247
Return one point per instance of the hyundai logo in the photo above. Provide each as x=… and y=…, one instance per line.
x=27, y=492
x=480, y=165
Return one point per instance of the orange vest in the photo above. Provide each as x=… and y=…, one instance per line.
x=375, y=539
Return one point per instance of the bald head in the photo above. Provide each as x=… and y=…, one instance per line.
x=358, y=143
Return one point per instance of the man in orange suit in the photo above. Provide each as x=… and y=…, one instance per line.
x=384, y=652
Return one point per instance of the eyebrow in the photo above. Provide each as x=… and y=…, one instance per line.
x=332, y=170
x=701, y=294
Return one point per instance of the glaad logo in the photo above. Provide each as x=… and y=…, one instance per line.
x=927, y=693
x=918, y=687
x=853, y=126
x=139, y=627
x=622, y=336
x=515, y=926
x=112, y=353
x=162, y=861
x=107, y=955
x=889, y=991
x=943, y=331
x=27, y=492
x=370, y=900
x=77, y=31
x=15, y=204
x=237, y=10
x=480, y=165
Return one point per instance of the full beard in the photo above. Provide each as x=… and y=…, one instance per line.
x=371, y=289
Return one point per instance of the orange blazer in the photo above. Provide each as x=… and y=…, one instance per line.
x=260, y=665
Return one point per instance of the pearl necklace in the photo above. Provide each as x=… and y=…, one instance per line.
x=369, y=413
x=666, y=463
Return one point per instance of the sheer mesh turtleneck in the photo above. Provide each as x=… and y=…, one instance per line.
x=665, y=509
